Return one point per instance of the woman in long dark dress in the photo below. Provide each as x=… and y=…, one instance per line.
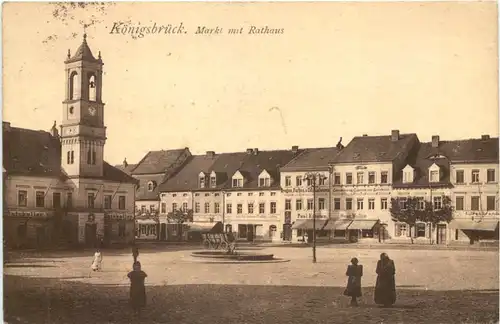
x=354, y=272
x=137, y=288
x=385, y=288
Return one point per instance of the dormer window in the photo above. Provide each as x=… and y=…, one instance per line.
x=237, y=183
x=408, y=174
x=264, y=182
x=264, y=179
x=151, y=185
x=202, y=180
x=213, y=180
x=434, y=173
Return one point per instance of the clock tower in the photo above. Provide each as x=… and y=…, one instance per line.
x=83, y=133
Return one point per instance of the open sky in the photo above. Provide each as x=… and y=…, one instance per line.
x=337, y=70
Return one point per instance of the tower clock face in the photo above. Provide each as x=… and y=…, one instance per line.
x=92, y=111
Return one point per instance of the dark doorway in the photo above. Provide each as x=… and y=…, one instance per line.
x=163, y=232
x=250, y=233
x=441, y=234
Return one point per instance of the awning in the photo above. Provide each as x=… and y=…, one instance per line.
x=470, y=225
x=206, y=227
x=362, y=224
x=307, y=224
x=146, y=221
x=338, y=225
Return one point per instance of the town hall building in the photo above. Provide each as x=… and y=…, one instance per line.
x=57, y=187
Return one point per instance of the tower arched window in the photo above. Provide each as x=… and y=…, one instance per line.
x=92, y=87
x=73, y=86
x=89, y=156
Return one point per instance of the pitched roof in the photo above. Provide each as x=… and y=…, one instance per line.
x=271, y=161
x=375, y=148
x=312, y=159
x=155, y=162
x=38, y=153
x=83, y=53
x=187, y=177
x=143, y=192
x=445, y=154
x=421, y=159
x=30, y=152
x=127, y=169
x=225, y=165
x=471, y=150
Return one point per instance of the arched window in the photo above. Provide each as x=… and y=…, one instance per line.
x=92, y=87
x=151, y=185
x=89, y=156
x=73, y=86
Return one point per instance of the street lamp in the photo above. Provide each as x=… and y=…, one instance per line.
x=311, y=178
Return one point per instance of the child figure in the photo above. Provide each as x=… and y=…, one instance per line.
x=354, y=272
x=96, y=263
x=137, y=288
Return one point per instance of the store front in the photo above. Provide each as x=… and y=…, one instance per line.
x=475, y=231
x=302, y=230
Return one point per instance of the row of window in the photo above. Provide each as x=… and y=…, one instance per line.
x=91, y=157
x=348, y=205
x=475, y=176
x=22, y=200
x=360, y=179
x=475, y=203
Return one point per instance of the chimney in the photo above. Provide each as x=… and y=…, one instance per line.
x=295, y=149
x=6, y=126
x=485, y=137
x=364, y=135
x=249, y=151
x=125, y=164
x=395, y=135
x=278, y=166
x=255, y=151
x=210, y=154
x=435, y=140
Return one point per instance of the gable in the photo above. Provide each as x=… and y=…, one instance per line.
x=264, y=174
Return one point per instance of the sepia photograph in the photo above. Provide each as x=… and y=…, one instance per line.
x=250, y=162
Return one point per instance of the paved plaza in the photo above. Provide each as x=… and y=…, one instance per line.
x=433, y=287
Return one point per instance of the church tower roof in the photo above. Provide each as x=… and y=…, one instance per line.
x=83, y=53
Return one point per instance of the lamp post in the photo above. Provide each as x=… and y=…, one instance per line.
x=311, y=178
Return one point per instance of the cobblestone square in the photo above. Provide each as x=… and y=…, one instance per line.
x=433, y=287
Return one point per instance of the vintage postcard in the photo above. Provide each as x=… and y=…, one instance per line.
x=237, y=162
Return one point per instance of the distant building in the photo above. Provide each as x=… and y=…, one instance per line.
x=363, y=174
x=297, y=194
x=466, y=171
x=241, y=190
x=57, y=187
x=154, y=169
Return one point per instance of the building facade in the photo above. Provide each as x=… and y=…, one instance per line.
x=58, y=188
x=298, y=194
x=154, y=169
x=363, y=174
x=241, y=190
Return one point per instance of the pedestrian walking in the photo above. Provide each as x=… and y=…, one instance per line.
x=137, y=288
x=385, y=287
x=135, y=252
x=354, y=273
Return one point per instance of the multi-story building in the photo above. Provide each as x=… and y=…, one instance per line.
x=464, y=171
x=58, y=188
x=241, y=190
x=154, y=168
x=298, y=196
x=363, y=174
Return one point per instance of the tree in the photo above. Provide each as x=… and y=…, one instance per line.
x=409, y=213
x=435, y=216
x=179, y=216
